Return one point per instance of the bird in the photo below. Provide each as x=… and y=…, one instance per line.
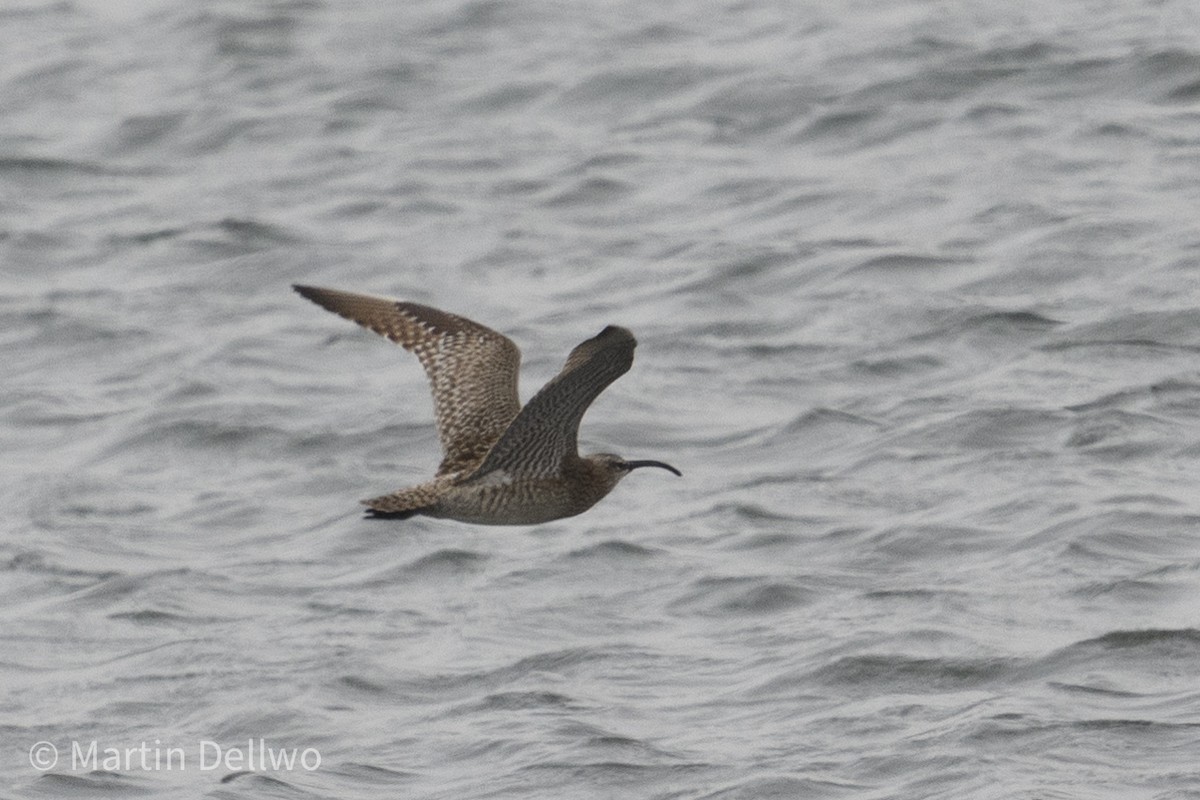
x=502, y=464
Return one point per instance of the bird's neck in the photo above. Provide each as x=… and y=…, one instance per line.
x=593, y=479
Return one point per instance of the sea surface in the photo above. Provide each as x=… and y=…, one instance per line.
x=917, y=291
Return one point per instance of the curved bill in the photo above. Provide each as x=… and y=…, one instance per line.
x=646, y=463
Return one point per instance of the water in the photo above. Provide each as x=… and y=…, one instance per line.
x=917, y=289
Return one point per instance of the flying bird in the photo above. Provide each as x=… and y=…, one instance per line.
x=501, y=464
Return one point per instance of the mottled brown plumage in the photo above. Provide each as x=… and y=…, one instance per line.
x=502, y=464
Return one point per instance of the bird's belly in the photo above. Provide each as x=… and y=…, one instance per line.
x=519, y=503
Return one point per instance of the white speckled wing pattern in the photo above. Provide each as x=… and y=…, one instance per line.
x=472, y=369
x=546, y=431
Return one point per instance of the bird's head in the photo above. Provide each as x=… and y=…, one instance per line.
x=612, y=468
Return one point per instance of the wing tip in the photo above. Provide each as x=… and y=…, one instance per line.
x=314, y=293
x=611, y=331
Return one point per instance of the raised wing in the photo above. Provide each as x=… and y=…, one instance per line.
x=546, y=430
x=472, y=369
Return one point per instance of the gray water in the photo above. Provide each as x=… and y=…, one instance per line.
x=917, y=290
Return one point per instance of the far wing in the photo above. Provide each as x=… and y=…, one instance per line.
x=472, y=369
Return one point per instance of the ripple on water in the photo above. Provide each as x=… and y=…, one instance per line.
x=472, y=683
x=1123, y=535
x=896, y=673
x=991, y=429
x=1117, y=435
x=1151, y=643
x=1151, y=663
x=371, y=774
x=742, y=596
x=446, y=561
x=615, y=551
x=523, y=700
x=93, y=784
x=436, y=565
x=1144, y=329
x=784, y=787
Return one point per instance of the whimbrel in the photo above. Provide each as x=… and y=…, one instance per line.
x=502, y=464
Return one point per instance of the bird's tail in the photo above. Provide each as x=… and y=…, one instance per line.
x=375, y=513
x=403, y=503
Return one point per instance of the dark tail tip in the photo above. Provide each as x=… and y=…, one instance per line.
x=374, y=513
